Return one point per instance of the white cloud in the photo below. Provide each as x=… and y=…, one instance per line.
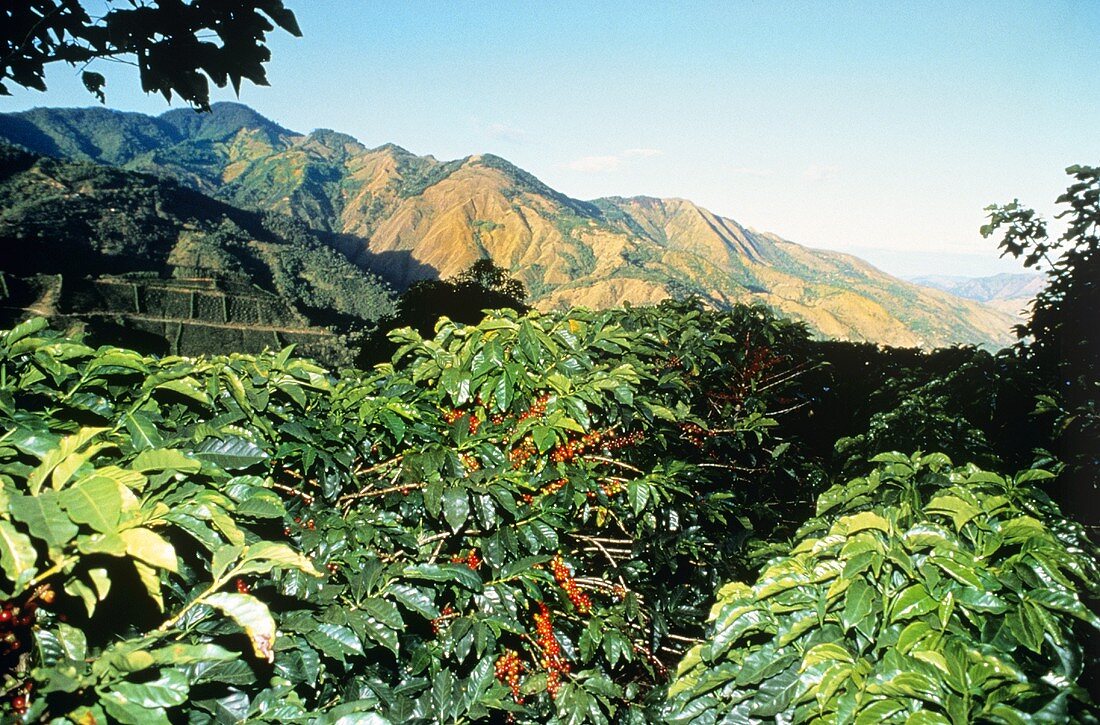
x=609, y=162
x=820, y=172
x=594, y=164
x=750, y=171
x=506, y=132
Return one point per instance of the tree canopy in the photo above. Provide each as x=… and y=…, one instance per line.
x=179, y=47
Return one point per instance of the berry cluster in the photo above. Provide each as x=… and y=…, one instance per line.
x=565, y=580
x=609, y=488
x=15, y=637
x=508, y=669
x=696, y=434
x=758, y=360
x=614, y=443
x=522, y=452
x=20, y=699
x=575, y=447
x=469, y=462
x=456, y=414
x=472, y=560
x=310, y=524
x=671, y=363
x=332, y=567
x=444, y=617
x=537, y=409
x=595, y=441
x=15, y=624
x=552, y=660
x=242, y=586
x=554, y=486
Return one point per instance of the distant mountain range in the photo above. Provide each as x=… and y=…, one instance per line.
x=1011, y=293
x=408, y=217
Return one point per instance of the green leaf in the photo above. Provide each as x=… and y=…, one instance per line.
x=25, y=329
x=456, y=507
x=187, y=387
x=165, y=459
x=384, y=612
x=168, y=690
x=73, y=642
x=151, y=548
x=223, y=557
x=43, y=517
x=151, y=581
x=335, y=641
x=913, y=634
x=263, y=556
x=381, y=633
x=188, y=654
x=131, y=713
x=62, y=462
x=859, y=602
x=17, y=555
x=252, y=616
x=958, y=571
x=94, y=501
x=414, y=599
x=960, y=511
x=459, y=573
x=231, y=453
x=863, y=521
x=913, y=601
x=143, y=434
x=638, y=494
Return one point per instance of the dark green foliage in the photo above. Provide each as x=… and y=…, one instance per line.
x=962, y=401
x=464, y=298
x=610, y=451
x=179, y=47
x=923, y=593
x=1060, y=342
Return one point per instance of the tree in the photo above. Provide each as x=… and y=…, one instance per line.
x=178, y=46
x=462, y=298
x=1060, y=340
x=485, y=275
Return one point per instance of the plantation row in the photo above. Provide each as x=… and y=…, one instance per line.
x=580, y=517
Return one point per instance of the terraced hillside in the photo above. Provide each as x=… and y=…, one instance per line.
x=127, y=256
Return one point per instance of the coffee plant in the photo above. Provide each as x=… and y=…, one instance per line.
x=522, y=520
x=922, y=593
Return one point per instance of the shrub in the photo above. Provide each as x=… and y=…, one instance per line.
x=923, y=593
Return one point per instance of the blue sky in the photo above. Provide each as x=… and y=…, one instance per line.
x=877, y=128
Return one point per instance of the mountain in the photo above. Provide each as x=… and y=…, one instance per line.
x=409, y=217
x=1010, y=293
x=127, y=255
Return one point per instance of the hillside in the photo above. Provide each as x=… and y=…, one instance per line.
x=1010, y=293
x=129, y=256
x=411, y=217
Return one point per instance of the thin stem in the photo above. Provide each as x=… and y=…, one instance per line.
x=215, y=586
x=614, y=462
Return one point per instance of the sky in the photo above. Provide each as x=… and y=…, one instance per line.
x=880, y=129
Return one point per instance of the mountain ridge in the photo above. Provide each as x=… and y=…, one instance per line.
x=411, y=217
